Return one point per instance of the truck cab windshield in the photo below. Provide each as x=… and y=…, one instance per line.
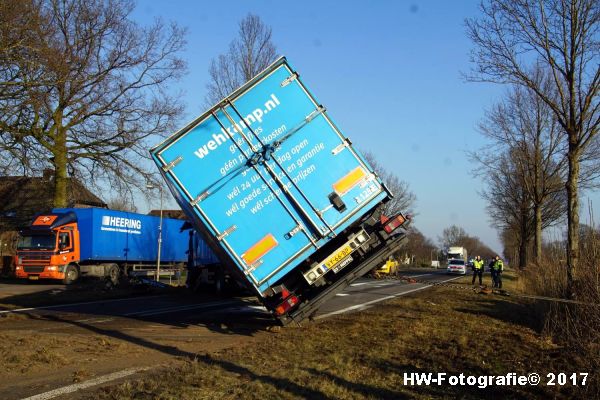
x=37, y=242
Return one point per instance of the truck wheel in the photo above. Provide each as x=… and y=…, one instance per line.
x=113, y=274
x=71, y=275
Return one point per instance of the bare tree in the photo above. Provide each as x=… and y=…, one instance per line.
x=404, y=199
x=22, y=26
x=453, y=235
x=89, y=91
x=524, y=127
x=248, y=54
x=419, y=248
x=122, y=204
x=510, y=204
x=511, y=37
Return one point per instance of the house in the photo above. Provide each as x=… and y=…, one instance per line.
x=22, y=197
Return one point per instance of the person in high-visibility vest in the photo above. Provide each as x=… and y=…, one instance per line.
x=497, y=269
x=477, y=270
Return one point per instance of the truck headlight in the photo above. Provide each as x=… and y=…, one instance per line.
x=52, y=268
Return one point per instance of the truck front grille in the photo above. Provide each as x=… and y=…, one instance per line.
x=33, y=268
x=36, y=257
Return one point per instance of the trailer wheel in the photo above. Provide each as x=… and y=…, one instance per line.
x=71, y=274
x=219, y=286
x=219, y=282
x=113, y=273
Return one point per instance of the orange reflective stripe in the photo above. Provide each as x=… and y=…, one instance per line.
x=350, y=180
x=259, y=249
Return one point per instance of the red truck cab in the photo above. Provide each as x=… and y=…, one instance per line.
x=49, y=249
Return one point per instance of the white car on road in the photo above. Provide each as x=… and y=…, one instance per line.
x=457, y=267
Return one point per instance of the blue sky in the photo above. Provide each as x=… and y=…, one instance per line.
x=389, y=73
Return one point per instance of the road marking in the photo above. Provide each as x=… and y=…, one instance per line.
x=95, y=320
x=262, y=308
x=366, y=305
x=79, y=304
x=416, y=276
x=379, y=282
x=248, y=309
x=342, y=294
x=386, y=283
x=83, y=385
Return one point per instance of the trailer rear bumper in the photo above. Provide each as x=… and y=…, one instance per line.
x=308, y=309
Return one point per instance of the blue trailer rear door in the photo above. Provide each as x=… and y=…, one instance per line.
x=270, y=174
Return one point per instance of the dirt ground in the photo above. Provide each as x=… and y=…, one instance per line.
x=42, y=349
x=38, y=361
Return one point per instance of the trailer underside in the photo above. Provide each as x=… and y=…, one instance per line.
x=307, y=309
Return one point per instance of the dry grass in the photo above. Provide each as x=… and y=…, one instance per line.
x=365, y=355
x=25, y=353
x=574, y=326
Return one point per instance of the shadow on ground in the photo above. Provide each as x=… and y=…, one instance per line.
x=505, y=310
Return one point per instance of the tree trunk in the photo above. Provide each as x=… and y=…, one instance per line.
x=523, y=239
x=572, y=219
x=537, y=250
x=61, y=179
x=522, y=253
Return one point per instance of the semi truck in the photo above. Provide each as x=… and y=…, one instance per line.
x=282, y=197
x=67, y=243
x=457, y=253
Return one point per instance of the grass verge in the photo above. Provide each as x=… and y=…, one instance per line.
x=366, y=355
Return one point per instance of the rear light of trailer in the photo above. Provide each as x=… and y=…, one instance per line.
x=287, y=305
x=390, y=225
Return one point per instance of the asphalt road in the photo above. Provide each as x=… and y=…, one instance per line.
x=11, y=287
x=165, y=326
x=186, y=310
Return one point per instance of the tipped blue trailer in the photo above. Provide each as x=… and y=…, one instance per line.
x=280, y=194
x=69, y=242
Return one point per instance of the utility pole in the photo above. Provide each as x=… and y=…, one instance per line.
x=160, y=223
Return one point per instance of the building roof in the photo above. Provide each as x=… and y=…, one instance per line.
x=23, y=197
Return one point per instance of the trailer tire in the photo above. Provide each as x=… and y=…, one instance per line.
x=71, y=274
x=113, y=274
